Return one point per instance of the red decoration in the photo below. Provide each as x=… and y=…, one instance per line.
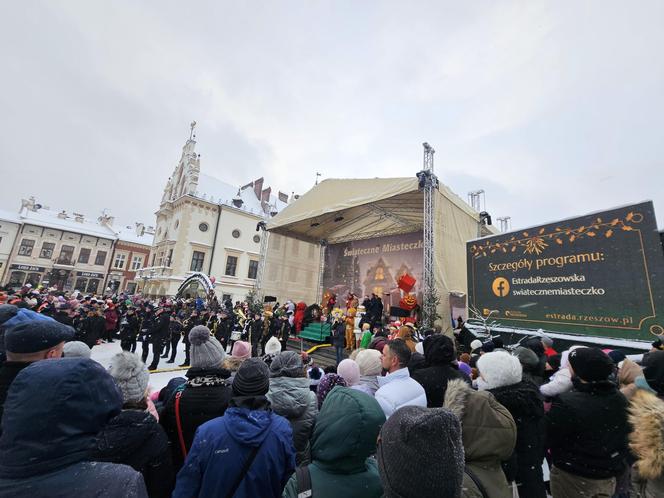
x=406, y=282
x=408, y=302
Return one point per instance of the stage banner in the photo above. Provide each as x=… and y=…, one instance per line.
x=374, y=266
x=599, y=275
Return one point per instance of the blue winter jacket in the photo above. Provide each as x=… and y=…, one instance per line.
x=222, y=446
x=53, y=412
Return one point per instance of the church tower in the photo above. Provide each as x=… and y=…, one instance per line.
x=185, y=177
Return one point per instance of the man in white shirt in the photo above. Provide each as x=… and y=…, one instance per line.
x=397, y=389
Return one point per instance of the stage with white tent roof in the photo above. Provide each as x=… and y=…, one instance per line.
x=342, y=211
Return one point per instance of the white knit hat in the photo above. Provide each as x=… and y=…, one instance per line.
x=369, y=362
x=272, y=346
x=476, y=344
x=499, y=369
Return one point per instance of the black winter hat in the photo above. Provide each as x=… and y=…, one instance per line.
x=591, y=364
x=410, y=440
x=653, y=370
x=252, y=378
x=36, y=335
x=439, y=349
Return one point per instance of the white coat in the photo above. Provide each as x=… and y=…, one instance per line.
x=397, y=389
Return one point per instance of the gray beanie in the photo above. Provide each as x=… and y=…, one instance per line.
x=77, y=349
x=206, y=350
x=410, y=440
x=131, y=376
x=287, y=364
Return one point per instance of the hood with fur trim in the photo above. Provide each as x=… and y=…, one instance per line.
x=488, y=429
x=646, y=415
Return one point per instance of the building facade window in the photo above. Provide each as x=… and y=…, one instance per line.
x=253, y=269
x=93, y=285
x=84, y=256
x=25, y=249
x=153, y=256
x=16, y=278
x=197, y=261
x=100, y=259
x=80, y=284
x=120, y=260
x=66, y=255
x=33, y=279
x=136, y=262
x=169, y=258
x=257, y=238
x=131, y=288
x=236, y=234
x=231, y=266
x=203, y=227
x=47, y=250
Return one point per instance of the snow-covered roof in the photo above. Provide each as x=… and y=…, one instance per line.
x=9, y=216
x=49, y=218
x=128, y=234
x=45, y=217
x=219, y=192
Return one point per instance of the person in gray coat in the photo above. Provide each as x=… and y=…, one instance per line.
x=291, y=398
x=53, y=412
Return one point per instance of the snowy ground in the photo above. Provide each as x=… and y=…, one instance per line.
x=104, y=352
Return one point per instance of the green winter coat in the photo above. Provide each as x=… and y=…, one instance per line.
x=345, y=435
x=366, y=339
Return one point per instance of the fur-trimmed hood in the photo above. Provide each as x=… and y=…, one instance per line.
x=646, y=415
x=489, y=431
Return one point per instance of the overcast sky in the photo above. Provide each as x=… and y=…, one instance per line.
x=554, y=108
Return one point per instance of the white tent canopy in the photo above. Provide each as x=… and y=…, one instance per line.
x=340, y=210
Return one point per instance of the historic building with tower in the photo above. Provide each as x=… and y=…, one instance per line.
x=205, y=225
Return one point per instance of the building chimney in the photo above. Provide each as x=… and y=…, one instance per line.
x=63, y=215
x=106, y=220
x=258, y=187
x=283, y=197
x=140, y=229
x=265, y=195
x=79, y=217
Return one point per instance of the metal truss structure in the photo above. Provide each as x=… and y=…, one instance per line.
x=428, y=182
x=258, y=284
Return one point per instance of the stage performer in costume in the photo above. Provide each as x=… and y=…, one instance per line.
x=350, y=329
x=299, y=316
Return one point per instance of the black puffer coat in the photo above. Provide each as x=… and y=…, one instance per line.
x=525, y=404
x=136, y=439
x=587, y=430
x=205, y=396
x=439, y=355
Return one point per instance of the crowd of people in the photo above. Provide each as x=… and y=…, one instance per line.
x=406, y=412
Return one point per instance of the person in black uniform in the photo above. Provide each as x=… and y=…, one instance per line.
x=159, y=335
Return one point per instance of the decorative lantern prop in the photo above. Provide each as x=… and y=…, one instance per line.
x=408, y=302
x=406, y=282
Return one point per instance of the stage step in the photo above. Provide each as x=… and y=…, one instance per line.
x=317, y=332
x=323, y=355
